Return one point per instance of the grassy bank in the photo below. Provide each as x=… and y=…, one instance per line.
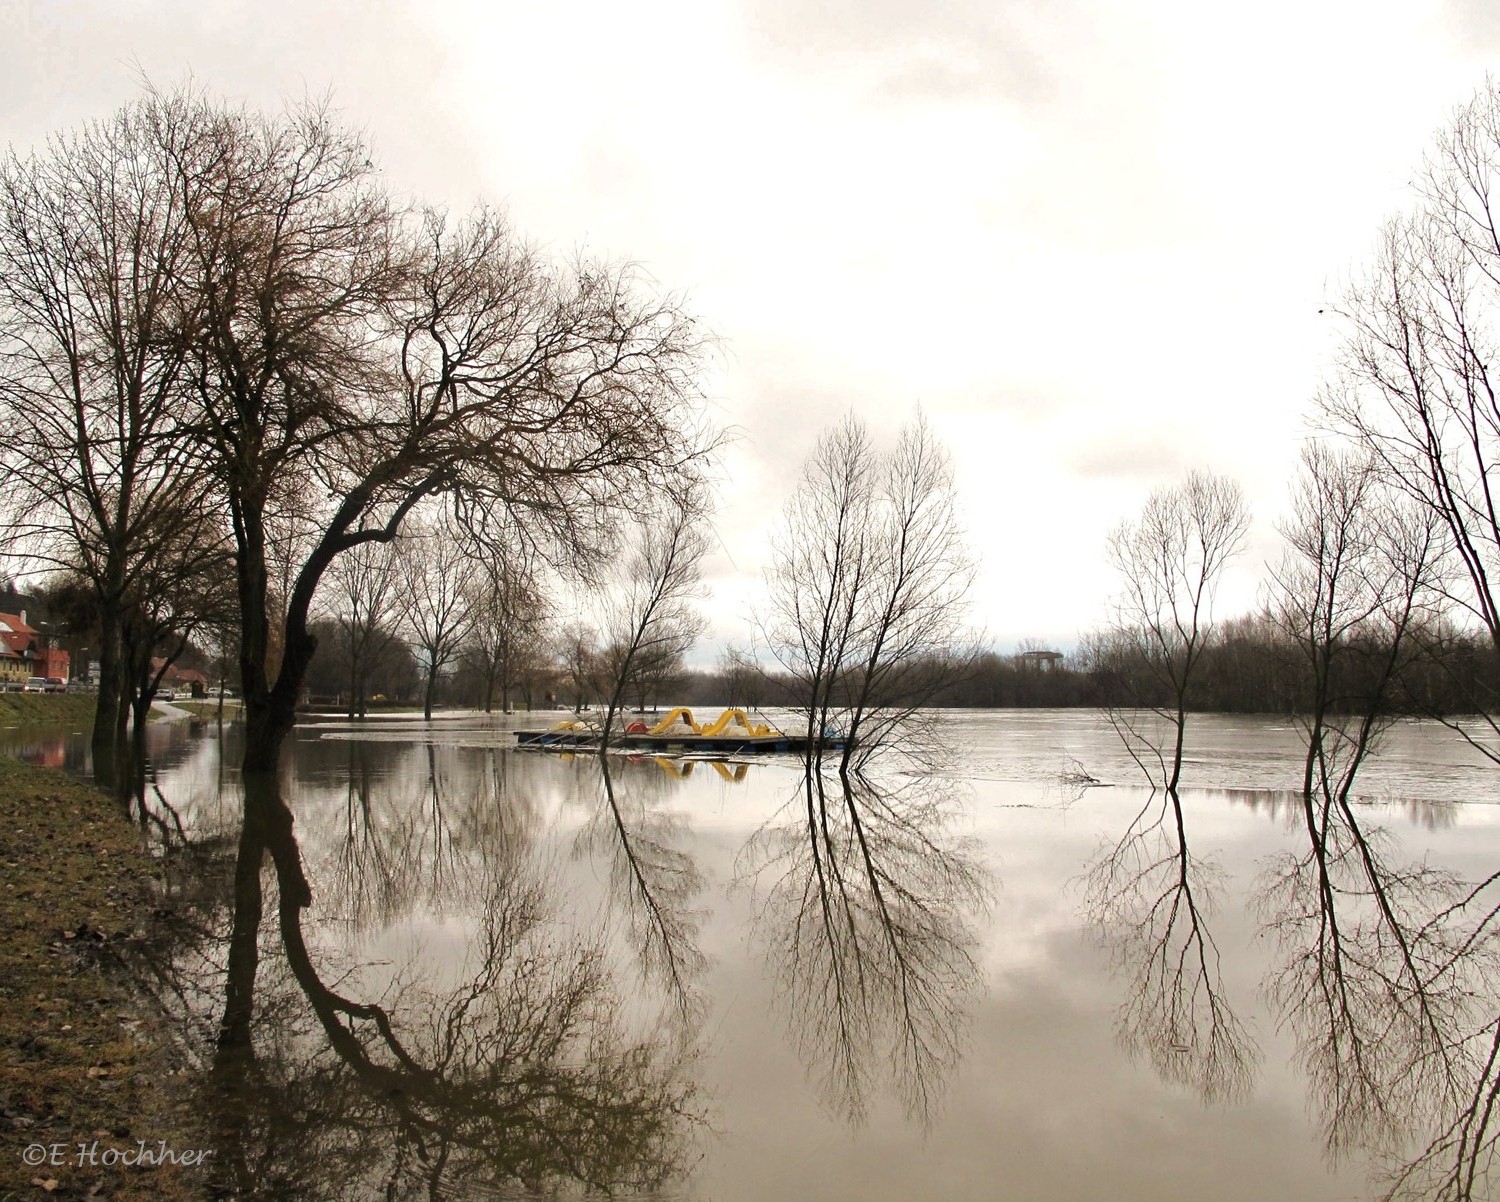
x=45, y=708
x=80, y=1059
x=210, y=709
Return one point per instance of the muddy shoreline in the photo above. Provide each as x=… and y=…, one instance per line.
x=93, y=1095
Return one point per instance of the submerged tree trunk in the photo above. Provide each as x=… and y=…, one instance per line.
x=266, y=720
x=106, y=731
x=140, y=713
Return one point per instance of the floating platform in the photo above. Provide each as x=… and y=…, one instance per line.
x=714, y=744
x=733, y=733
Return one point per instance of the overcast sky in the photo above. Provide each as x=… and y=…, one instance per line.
x=1089, y=237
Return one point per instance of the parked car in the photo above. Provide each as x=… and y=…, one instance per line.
x=54, y=684
x=35, y=684
x=166, y=694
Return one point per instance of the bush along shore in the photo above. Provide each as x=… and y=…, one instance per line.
x=91, y=1094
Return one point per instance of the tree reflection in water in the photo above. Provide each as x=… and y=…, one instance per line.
x=1386, y=971
x=1151, y=901
x=523, y=1073
x=1387, y=975
x=402, y=845
x=869, y=916
x=523, y=1067
x=653, y=882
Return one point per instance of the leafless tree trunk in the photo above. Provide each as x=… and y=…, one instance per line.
x=94, y=240
x=374, y=359
x=1170, y=561
x=362, y=594
x=509, y=612
x=867, y=587
x=649, y=613
x=1357, y=585
x=434, y=572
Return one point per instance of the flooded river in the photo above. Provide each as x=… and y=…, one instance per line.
x=427, y=963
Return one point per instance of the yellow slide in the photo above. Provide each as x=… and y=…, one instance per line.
x=678, y=722
x=735, y=723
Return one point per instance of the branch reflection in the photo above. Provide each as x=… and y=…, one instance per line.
x=413, y=821
x=520, y=1071
x=1151, y=900
x=1387, y=974
x=653, y=882
x=869, y=920
x=1386, y=970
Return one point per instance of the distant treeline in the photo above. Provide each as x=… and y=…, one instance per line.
x=1249, y=666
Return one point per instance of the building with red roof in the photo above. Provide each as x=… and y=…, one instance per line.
x=25, y=652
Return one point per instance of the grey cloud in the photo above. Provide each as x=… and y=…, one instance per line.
x=1027, y=405
x=1474, y=24
x=1008, y=74
x=61, y=64
x=1078, y=74
x=1150, y=456
x=1014, y=50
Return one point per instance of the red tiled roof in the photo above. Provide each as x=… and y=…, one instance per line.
x=16, y=635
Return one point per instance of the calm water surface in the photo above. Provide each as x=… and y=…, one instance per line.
x=517, y=973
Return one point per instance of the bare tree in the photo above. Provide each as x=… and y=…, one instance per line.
x=821, y=570
x=361, y=592
x=434, y=570
x=867, y=586
x=1357, y=586
x=183, y=590
x=650, y=618
x=1170, y=561
x=743, y=678
x=508, y=616
x=346, y=351
x=94, y=240
x=913, y=644
x=216, y=311
x=578, y=658
x=1417, y=392
x=1149, y=896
